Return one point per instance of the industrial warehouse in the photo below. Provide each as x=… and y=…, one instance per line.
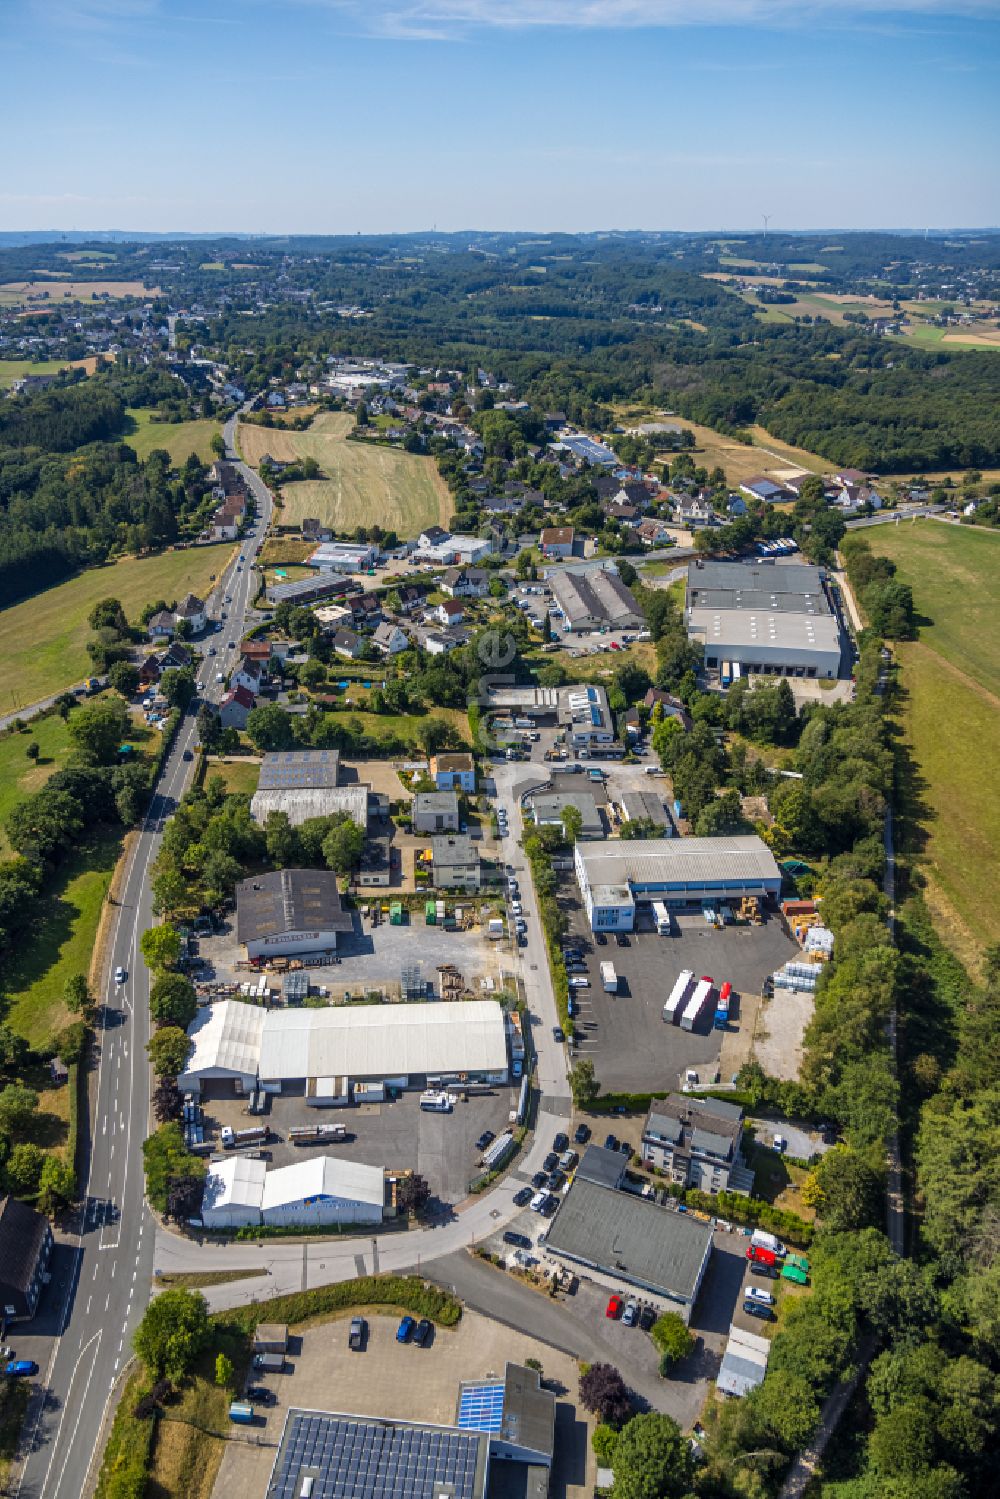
x=338, y=1053
x=615, y=876
x=241, y=1193
x=306, y=783
x=581, y=710
x=290, y=911
x=754, y=618
x=593, y=597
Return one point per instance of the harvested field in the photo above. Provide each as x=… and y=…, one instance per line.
x=361, y=483
x=13, y=293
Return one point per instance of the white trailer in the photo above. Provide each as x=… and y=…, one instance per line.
x=662, y=918
x=678, y=995
x=609, y=978
x=697, y=1004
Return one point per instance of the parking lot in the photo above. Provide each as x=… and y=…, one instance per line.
x=399, y=1136
x=390, y=1380
x=623, y=1034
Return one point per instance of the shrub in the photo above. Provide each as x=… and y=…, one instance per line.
x=672, y=1337
x=407, y=1292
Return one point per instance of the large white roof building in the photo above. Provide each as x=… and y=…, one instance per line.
x=241, y=1193
x=615, y=874
x=390, y=1043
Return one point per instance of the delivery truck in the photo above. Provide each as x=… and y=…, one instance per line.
x=233, y=1139
x=662, y=918
x=677, y=997
x=609, y=978
x=722, y=1007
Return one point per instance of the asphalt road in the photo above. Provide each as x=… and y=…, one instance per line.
x=110, y=1258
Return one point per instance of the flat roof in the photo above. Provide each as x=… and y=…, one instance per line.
x=645, y=805
x=550, y=805
x=630, y=1235
x=722, y=628
x=436, y=801
x=292, y=769
x=452, y=849
x=793, y=585
x=678, y=861
x=289, y=900
x=360, y=1457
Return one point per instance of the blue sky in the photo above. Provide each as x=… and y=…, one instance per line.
x=334, y=116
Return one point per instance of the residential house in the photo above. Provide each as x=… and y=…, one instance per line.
x=437, y=644
x=454, y=771
x=653, y=533
x=449, y=612
x=257, y=650
x=503, y=504
x=366, y=608
x=234, y=708
x=161, y=626
x=191, y=611
x=694, y=510
x=389, y=638
x=25, y=1251
x=347, y=644
x=435, y=812
x=314, y=530
x=249, y=674
x=455, y=862
x=736, y=506
x=149, y=671
x=633, y=492
x=556, y=541
x=410, y=597
x=432, y=537
x=177, y=655
x=466, y=582
x=698, y=1141
x=672, y=706
x=623, y=511
x=631, y=723
x=606, y=486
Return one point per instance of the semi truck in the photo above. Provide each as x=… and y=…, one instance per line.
x=316, y=1134
x=609, y=978
x=662, y=918
x=433, y=1102
x=233, y=1139
x=722, y=1006
x=677, y=996
x=697, y=1004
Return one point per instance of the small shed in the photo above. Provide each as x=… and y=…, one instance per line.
x=271, y=1337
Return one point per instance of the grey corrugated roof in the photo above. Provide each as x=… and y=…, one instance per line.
x=694, y=861
x=738, y=1375
x=289, y=900
x=606, y=1167
x=630, y=1236
x=752, y=585
x=299, y=768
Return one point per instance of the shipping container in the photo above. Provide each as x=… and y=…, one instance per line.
x=430, y=910
x=241, y=1412
x=698, y=1003
x=396, y=914
x=678, y=996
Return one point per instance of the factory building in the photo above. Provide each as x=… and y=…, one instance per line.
x=304, y=784
x=237, y=1047
x=581, y=710
x=290, y=911
x=318, y=1191
x=755, y=618
x=625, y=1240
x=594, y=597
x=615, y=876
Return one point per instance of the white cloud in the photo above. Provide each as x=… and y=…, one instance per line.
x=441, y=19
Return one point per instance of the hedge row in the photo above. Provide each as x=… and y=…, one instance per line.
x=125, y=1468
x=408, y=1292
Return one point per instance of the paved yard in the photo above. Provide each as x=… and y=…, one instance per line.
x=781, y=1026
x=624, y=1034
x=370, y=957
x=408, y=1383
x=441, y=1147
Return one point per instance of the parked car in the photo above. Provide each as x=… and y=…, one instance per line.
x=560, y=1143
x=555, y=1181
x=538, y=1180
x=422, y=1333
x=630, y=1315
x=557, y=1033
x=21, y=1368
x=600, y=939
x=754, y=1293
x=486, y=1138
x=539, y=1201
x=258, y=1394
x=579, y=981
x=647, y=1317
x=621, y=938
x=758, y=1309
x=404, y=1332
x=521, y=1198
x=511, y=1236
x=582, y=1134
x=550, y=1162
x=614, y=1308
x=610, y=1142
x=358, y=1334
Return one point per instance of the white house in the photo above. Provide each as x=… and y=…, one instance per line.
x=449, y=612
x=192, y=610
x=453, y=772
x=235, y=707
x=388, y=637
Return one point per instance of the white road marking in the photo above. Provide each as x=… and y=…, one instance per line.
x=53, y=1493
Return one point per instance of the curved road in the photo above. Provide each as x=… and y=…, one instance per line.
x=112, y=1251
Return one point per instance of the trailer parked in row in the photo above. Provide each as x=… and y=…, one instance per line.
x=678, y=995
x=662, y=918
x=697, y=1004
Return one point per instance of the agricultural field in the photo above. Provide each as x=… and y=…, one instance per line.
x=19, y=293
x=180, y=439
x=951, y=722
x=43, y=640
x=401, y=491
x=16, y=369
x=61, y=944
x=766, y=457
